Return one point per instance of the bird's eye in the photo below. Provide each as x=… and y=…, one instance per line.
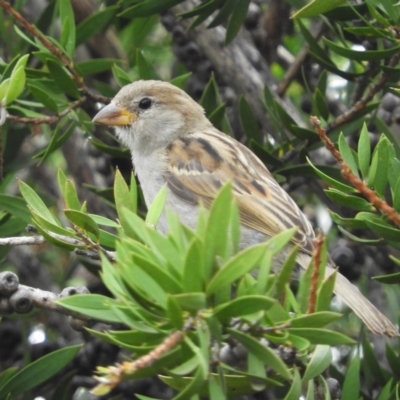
x=145, y=103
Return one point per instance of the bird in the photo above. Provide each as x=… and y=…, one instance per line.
x=173, y=144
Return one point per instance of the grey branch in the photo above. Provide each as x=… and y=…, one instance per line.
x=39, y=239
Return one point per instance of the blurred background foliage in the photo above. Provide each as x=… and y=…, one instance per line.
x=259, y=74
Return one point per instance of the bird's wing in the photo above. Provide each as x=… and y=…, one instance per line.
x=201, y=163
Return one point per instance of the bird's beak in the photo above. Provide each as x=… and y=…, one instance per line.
x=113, y=115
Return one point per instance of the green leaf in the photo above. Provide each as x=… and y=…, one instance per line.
x=316, y=320
x=217, y=388
x=15, y=206
x=396, y=195
x=256, y=368
x=15, y=86
x=67, y=18
x=13, y=65
x=6, y=375
x=124, y=198
x=249, y=122
x=370, y=365
x=351, y=384
x=145, y=69
x=243, y=306
x=319, y=362
x=321, y=336
x=121, y=76
x=35, y=202
x=180, y=81
x=56, y=141
x=303, y=133
x=216, y=239
x=351, y=223
x=294, y=392
x=210, y=97
x=263, y=353
x=174, y=313
x=382, y=127
x=56, y=240
x=315, y=48
x=71, y=196
x=205, y=8
x=378, y=173
x=90, y=67
x=45, y=224
x=322, y=105
x=223, y=14
x=364, y=55
x=364, y=151
x=338, y=185
x=393, y=360
x=145, y=285
x=317, y=7
x=83, y=221
x=147, y=8
x=62, y=78
x=236, y=20
x=387, y=392
x=310, y=390
x=347, y=154
x=5, y=84
x=21, y=62
x=193, y=273
x=358, y=203
x=157, y=206
x=389, y=279
x=13, y=80
x=192, y=301
x=43, y=97
x=94, y=23
x=242, y=263
x=384, y=230
x=325, y=293
x=217, y=116
x=157, y=272
x=284, y=276
x=357, y=239
x=93, y=305
x=39, y=371
x=187, y=367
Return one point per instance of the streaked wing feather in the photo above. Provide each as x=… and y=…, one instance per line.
x=201, y=163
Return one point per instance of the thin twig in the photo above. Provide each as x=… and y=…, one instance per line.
x=47, y=120
x=110, y=376
x=363, y=102
x=318, y=242
x=298, y=63
x=39, y=239
x=22, y=240
x=266, y=329
x=43, y=39
x=370, y=194
x=68, y=63
x=93, y=245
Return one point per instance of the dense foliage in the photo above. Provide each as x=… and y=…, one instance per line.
x=189, y=315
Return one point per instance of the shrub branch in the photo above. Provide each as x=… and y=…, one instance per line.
x=363, y=102
x=318, y=242
x=370, y=194
x=57, y=52
x=109, y=377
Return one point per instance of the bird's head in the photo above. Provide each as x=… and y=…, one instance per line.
x=151, y=114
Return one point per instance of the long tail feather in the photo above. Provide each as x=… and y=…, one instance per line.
x=363, y=308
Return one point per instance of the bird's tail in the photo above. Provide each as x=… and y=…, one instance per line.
x=363, y=308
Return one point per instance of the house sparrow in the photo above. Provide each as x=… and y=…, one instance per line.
x=173, y=143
